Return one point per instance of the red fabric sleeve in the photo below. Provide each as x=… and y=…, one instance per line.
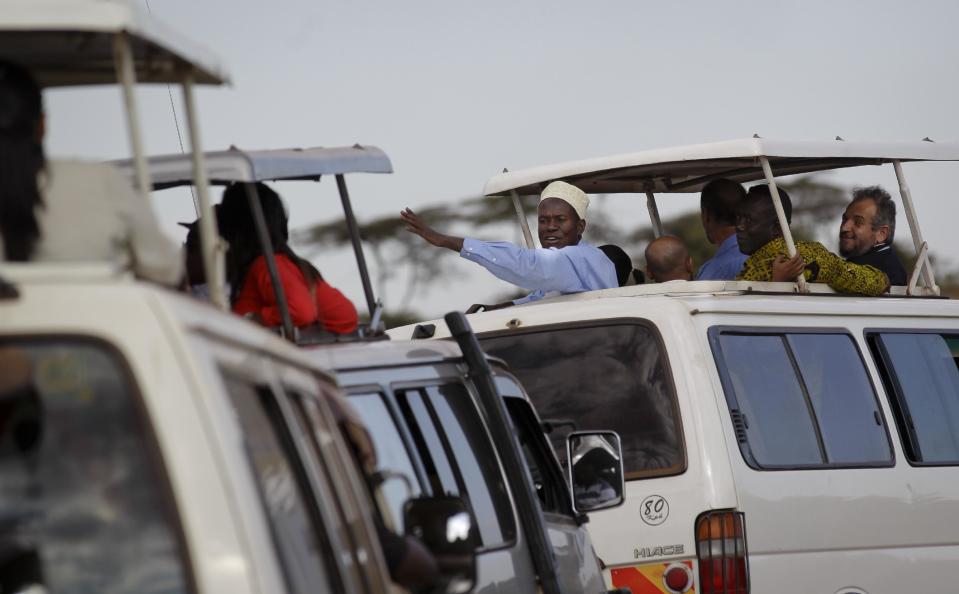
x=336, y=313
x=257, y=293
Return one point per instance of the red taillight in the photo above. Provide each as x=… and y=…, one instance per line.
x=721, y=550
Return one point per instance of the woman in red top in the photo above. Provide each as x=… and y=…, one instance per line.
x=310, y=299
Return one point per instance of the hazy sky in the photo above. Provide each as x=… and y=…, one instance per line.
x=455, y=91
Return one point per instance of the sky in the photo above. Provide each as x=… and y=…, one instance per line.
x=456, y=91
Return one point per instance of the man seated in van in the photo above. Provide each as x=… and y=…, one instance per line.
x=759, y=235
x=667, y=259
x=867, y=230
x=718, y=204
x=565, y=263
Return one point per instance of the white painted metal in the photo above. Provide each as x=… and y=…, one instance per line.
x=69, y=42
x=123, y=59
x=917, y=240
x=211, y=245
x=877, y=530
x=781, y=215
x=917, y=267
x=654, y=214
x=523, y=221
x=677, y=169
x=237, y=165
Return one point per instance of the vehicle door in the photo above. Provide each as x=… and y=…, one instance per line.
x=576, y=561
x=307, y=529
x=431, y=441
x=85, y=500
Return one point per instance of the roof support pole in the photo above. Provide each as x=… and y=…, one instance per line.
x=358, y=250
x=210, y=243
x=926, y=266
x=123, y=62
x=781, y=215
x=654, y=214
x=266, y=246
x=523, y=222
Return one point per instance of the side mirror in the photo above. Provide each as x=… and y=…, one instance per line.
x=444, y=525
x=595, y=470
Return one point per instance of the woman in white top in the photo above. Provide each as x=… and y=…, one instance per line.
x=69, y=211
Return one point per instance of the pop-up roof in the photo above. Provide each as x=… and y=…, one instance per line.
x=689, y=168
x=71, y=42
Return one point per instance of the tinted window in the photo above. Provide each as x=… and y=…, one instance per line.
x=391, y=455
x=284, y=489
x=82, y=505
x=477, y=462
x=601, y=378
x=437, y=461
x=925, y=382
x=801, y=400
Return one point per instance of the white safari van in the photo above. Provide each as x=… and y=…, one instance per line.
x=776, y=437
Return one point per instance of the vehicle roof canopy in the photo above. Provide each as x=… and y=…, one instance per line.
x=70, y=42
x=689, y=168
x=236, y=165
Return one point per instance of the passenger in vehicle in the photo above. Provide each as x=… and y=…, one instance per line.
x=668, y=259
x=43, y=202
x=759, y=235
x=564, y=263
x=867, y=230
x=626, y=275
x=196, y=282
x=718, y=204
x=310, y=299
x=410, y=563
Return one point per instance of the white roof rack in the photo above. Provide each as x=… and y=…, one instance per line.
x=689, y=168
x=70, y=42
x=236, y=165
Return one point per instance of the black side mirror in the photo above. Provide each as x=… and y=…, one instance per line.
x=445, y=526
x=595, y=470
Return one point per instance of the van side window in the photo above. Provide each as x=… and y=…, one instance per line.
x=283, y=486
x=447, y=413
x=800, y=399
x=922, y=380
x=540, y=460
x=392, y=459
x=84, y=504
x=611, y=376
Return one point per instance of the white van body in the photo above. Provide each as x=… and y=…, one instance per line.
x=880, y=528
x=173, y=493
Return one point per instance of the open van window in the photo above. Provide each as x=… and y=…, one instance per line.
x=922, y=379
x=604, y=376
x=800, y=399
x=84, y=505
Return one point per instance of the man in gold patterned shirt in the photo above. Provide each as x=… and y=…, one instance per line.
x=759, y=235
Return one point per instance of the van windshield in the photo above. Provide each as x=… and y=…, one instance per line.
x=601, y=377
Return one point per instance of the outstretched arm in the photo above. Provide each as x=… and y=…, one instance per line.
x=416, y=225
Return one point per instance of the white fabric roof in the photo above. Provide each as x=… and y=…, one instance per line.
x=70, y=42
x=235, y=165
x=689, y=168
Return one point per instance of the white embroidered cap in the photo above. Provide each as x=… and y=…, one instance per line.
x=569, y=194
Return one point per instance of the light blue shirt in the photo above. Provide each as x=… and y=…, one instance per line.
x=726, y=264
x=572, y=269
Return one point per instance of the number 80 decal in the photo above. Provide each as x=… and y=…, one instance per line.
x=654, y=510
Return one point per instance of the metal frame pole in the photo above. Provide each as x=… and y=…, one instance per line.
x=654, y=214
x=210, y=244
x=266, y=246
x=123, y=62
x=523, y=222
x=357, y=247
x=781, y=215
x=928, y=277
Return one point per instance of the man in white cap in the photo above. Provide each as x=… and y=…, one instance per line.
x=565, y=263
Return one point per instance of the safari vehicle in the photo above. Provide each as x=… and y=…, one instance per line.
x=776, y=437
x=441, y=423
x=148, y=442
